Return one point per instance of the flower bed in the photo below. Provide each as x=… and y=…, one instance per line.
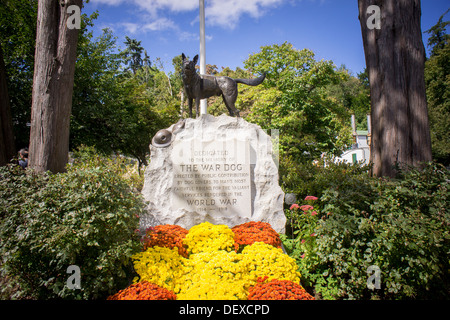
x=214, y=262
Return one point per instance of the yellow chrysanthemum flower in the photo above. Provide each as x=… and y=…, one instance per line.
x=263, y=259
x=213, y=275
x=208, y=237
x=161, y=266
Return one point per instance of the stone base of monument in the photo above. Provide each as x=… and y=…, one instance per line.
x=216, y=169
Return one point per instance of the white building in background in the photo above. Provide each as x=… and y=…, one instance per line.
x=360, y=150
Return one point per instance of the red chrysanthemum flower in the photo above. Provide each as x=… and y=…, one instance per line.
x=278, y=290
x=167, y=236
x=255, y=231
x=144, y=291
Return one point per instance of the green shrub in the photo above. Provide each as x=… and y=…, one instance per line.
x=401, y=226
x=314, y=178
x=88, y=157
x=299, y=242
x=85, y=217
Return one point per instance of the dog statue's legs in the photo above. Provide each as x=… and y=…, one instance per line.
x=229, y=103
x=190, y=107
x=197, y=107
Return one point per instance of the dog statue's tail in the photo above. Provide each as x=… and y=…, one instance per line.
x=252, y=82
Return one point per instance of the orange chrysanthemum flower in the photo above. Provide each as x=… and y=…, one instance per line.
x=167, y=236
x=255, y=231
x=278, y=290
x=144, y=291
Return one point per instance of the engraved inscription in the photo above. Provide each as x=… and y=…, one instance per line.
x=212, y=176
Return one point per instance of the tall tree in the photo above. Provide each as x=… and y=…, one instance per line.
x=353, y=94
x=438, y=35
x=18, y=37
x=7, y=148
x=133, y=52
x=395, y=59
x=55, y=57
x=292, y=99
x=116, y=110
x=437, y=79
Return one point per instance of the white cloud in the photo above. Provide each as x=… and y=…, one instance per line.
x=154, y=6
x=160, y=24
x=227, y=13
x=156, y=25
x=223, y=13
x=110, y=2
x=189, y=36
x=130, y=27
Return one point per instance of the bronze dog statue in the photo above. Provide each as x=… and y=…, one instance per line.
x=202, y=86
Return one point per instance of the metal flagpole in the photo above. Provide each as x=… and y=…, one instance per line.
x=203, y=102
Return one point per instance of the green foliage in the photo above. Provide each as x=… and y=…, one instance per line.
x=295, y=101
x=438, y=34
x=133, y=54
x=437, y=79
x=247, y=95
x=315, y=178
x=113, y=109
x=353, y=93
x=128, y=170
x=401, y=226
x=116, y=110
x=304, y=220
x=17, y=37
x=85, y=217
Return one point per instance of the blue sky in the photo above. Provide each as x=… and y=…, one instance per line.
x=237, y=28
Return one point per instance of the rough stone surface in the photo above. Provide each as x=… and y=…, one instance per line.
x=266, y=195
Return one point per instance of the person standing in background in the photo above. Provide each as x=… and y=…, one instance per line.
x=23, y=158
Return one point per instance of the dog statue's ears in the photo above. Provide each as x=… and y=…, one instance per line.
x=195, y=58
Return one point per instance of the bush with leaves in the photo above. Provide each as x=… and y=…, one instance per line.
x=305, y=179
x=85, y=157
x=399, y=225
x=85, y=217
x=301, y=239
x=294, y=100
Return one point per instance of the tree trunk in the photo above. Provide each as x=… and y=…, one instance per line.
x=395, y=60
x=182, y=104
x=52, y=86
x=7, y=147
